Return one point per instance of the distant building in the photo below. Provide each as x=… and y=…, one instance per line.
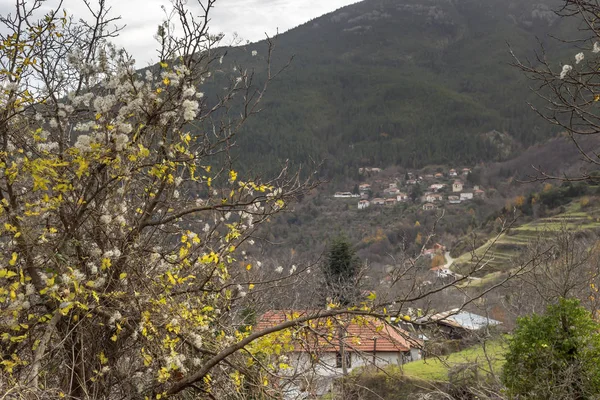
x=479, y=194
x=437, y=186
x=378, y=202
x=466, y=171
x=432, y=197
x=345, y=195
x=457, y=186
x=393, y=185
x=390, y=202
x=364, y=188
x=402, y=197
x=369, y=170
x=466, y=196
x=453, y=199
x=452, y=172
x=458, y=324
x=363, y=204
x=428, y=206
x=411, y=182
x=391, y=192
x=439, y=175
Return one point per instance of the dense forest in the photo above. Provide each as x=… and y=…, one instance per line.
x=406, y=83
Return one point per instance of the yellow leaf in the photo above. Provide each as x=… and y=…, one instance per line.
x=123, y=275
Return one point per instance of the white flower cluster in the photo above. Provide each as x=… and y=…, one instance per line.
x=190, y=109
x=565, y=70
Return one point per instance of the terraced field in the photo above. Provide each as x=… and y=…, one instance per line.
x=498, y=254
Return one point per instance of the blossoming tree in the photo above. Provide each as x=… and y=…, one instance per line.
x=119, y=228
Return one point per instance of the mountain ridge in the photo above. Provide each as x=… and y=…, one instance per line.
x=408, y=82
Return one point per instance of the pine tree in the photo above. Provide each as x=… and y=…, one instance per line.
x=341, y=269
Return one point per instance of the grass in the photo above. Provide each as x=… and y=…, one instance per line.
x=498, y=253
x=436, y=369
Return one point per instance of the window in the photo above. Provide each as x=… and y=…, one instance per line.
x=338, y=360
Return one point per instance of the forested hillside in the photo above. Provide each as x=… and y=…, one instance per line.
x=408, y=82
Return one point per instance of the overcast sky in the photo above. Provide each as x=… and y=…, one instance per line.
x=250, y=19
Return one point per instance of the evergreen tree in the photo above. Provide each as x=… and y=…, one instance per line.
x=341, y=269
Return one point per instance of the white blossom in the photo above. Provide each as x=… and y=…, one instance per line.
x=120, y=141
x=579, y=57
x=279, y=269
x=293, y=269
x=565, y=70
x=254, y=53
x=190, y=109
x=105, y=219
x=596, y=48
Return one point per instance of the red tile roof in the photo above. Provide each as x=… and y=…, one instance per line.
x=322, y=334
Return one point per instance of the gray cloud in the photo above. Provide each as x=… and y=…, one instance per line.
x=250, y=19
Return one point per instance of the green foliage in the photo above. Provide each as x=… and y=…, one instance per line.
x=341, y=268
x=555, y=355
x=404, y=82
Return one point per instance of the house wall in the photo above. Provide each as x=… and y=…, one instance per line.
x=315, y=377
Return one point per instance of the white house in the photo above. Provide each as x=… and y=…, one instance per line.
x=328, y=348
x=363, y=204
x=457, y=186
x=432, y=197
x=453, y=199
x=391, y=192
x=428, y=206
x=452, y=172
x=378, y=201
x=466, y=196
x=437, y=186
x=401, y=197
x=345, y=195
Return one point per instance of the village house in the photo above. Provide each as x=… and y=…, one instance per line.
x=437, y=187
x=402, y=197
x=441, y=272
x=411, y=182
x=393, y=185
x=439, y=175
x=365, y=196
x=391, y=192
x=457, y=186
x=363, y=204
x=457, y=324
x=428, y=176
x=432, y=197
x=452, y=172
x=369, y=170
x=378, y=201
x=390, y=202
x=466, y=171
x=364, y=188
x=345, y=195
x=466, y=196
x=328, y=348
x=428, y=206
x=453, y=199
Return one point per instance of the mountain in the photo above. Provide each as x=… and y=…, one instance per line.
x=405, y=82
